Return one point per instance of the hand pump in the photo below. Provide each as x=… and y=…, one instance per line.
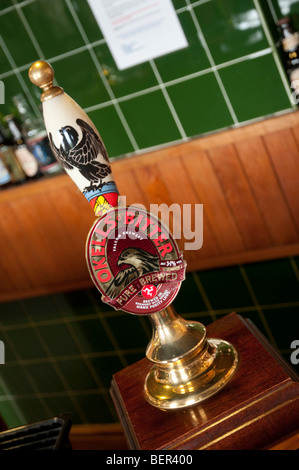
x=133, y=260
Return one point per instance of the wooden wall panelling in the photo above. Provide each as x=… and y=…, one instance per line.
x=11, y=272
x=127, y=185
x=284, y=153
x=267, y=190
x=239, y=196
x=216, y=208
x=182, y=191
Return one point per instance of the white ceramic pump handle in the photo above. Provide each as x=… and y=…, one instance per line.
x=75, y=141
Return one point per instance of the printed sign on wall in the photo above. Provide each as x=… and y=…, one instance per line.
x=138, y=30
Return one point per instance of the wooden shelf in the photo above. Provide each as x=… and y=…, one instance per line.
x=247, y=180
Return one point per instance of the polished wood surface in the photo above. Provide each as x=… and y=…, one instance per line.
x=256, y=408
x=97, y=437
x=247, y=180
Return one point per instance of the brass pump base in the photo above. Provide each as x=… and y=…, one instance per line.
x=188, y=367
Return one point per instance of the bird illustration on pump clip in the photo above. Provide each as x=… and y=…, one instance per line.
x=82, y=154
x=140, y=261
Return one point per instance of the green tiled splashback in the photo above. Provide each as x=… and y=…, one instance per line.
x=61, y=350
x=229, y=74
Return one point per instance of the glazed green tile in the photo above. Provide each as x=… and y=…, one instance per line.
x=124, y=82
x=204, y=318
x=225, y=288
x=33, y=410
x=188, y=298
x=79, y=78
x=150, y=120
x=46, y=378
x=5, y=65
x=12, y=87
x=232, y=29
x=53, y=27
x=105, y=367
x=16, y=38
x=12, y=313
x=271, y=14
x=41, y=308
x=62, y=404
x=185, y=61
x=5, y=4
x=77, y=375
x=9, y=414
x=273, y=282
x=128, y=331
x=87, y=20
x=57, y=340
x=96, y=409
x=178, y=4
x=132, y=358
x=284, y=325
x=31, y=90
x=91, y=336
x=200, y=105
x=295, y=259
x=96, y=298
x=112, y=131
x=254, y=88
x=26, y=343
x=75, y=303
x=16, y=379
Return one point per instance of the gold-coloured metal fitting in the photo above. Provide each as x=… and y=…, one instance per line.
x=41, y=74
x=187, y=367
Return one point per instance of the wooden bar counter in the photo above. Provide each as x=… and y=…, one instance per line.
x=258, y=406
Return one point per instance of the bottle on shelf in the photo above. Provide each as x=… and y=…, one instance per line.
x=26, y=158
x=9, y=158
x=5, y=179
x=36, y=137
x=290, y=46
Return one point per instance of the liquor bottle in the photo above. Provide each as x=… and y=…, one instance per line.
x=290, y=46
x=36, y=137
x=26, y=158
x=9, y=158
x=5, y=179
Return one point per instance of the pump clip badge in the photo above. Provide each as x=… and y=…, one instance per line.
x=134, y=261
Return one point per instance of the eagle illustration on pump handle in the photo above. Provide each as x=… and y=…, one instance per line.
x=82, y=154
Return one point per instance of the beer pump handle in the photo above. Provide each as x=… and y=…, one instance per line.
x=134, y=261
x=75, y=141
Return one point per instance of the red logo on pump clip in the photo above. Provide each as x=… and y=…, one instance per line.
x=134, y=261
x=149, y=291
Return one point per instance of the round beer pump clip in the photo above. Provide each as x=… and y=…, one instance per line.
x=134, y=261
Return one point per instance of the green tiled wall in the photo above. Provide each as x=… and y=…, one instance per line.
x=62, y=350
x=229, y=74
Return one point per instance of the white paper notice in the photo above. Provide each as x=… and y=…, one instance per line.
x=138, y=30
